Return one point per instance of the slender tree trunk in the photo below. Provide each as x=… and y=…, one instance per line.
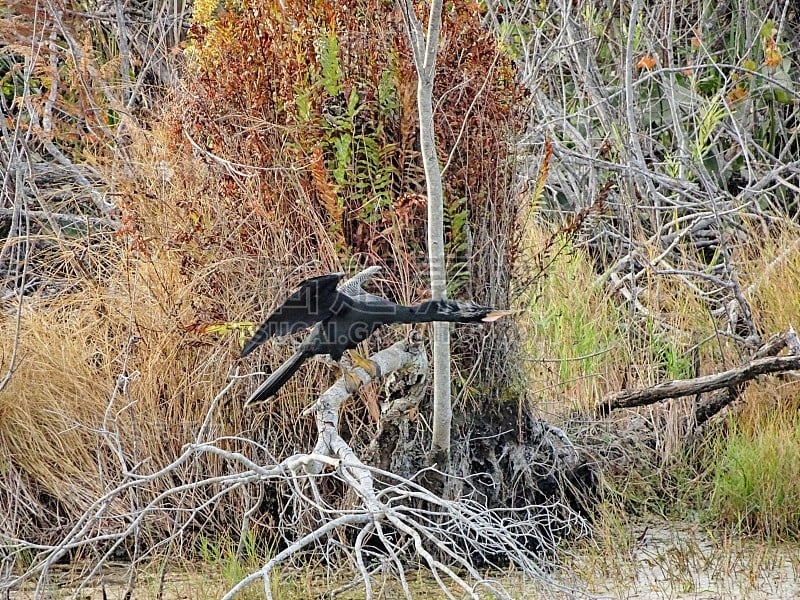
x=424, y=47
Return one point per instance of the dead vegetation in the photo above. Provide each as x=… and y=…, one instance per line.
x=647, y=230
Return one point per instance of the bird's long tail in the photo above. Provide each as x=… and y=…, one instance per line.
x=276, y=380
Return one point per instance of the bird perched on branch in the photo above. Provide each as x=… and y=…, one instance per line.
x=342, y=318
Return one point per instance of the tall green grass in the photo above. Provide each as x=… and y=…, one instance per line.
x=233, y=562
x=572, y=336
x=756, y=477
x=582, y=342
x=582, y=339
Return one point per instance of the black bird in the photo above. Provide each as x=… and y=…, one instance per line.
x=343, y=318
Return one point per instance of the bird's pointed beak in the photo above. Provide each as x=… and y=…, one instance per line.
x=496, y=314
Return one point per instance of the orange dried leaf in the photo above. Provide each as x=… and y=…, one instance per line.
x=772, y=54
x=737, y=94
x=326, y=190
x=545, y=169
x=646, y=62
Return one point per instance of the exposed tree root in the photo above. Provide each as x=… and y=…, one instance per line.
x=386, y=525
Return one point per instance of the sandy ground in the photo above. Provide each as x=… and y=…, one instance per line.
x=679, y=562
x=685, y=563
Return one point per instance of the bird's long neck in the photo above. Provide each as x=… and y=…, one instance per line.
x=440, y=310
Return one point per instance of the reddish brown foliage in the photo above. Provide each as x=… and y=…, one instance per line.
x=314, y=107
x=245, y=106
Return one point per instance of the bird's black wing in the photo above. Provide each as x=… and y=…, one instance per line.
x=311, y=303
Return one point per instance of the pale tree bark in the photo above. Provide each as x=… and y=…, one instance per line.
x=424, y=47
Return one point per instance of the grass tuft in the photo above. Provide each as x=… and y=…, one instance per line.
x=756, y=487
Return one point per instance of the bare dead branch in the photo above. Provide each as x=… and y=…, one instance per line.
x=698, y=385
x=414, y=525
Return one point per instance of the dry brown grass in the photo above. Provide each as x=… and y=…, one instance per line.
x=772, y=271
x=136, y=317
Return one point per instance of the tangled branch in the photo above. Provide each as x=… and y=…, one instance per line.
x=387, y=524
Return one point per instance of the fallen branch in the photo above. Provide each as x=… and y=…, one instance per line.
x=402, y=355
x=707, y=383
x=411, y=523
